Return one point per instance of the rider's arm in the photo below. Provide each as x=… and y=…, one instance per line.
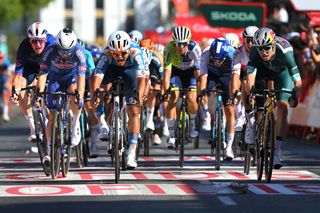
x=293, y=69
x=44, y=69
x=251, y=69
x=82, y=67
x=196, y=51
x=140, y=67
x=98, y=73
x=167, y=61
x=204, y=69
x=20, y=58
x=236, y=71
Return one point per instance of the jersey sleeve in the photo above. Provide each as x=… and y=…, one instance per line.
x=252, y=63
x=197, y=56
x=20, y=59
x=45, y=60
x=102, y=64
x=292, y=67
x=82, y=64
x=167, y=57
x=236, y=61
x=204, y=61
x=157, y=62
x=90, y=62
x=139, y=63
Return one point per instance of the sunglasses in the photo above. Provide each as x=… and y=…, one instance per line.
x=40, y=41
x=120, y=54
x=264, y=48
x=249, y=39
x=179, y=44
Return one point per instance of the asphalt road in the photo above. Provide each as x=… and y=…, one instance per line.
x=158, y=184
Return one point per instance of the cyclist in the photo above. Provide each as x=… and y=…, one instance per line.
x=181, y=69
x=156, y=76
x=92, y=118
x=4, y=65
x=240, y=61
x=64, y=65
x=95, y=53
x=272, y=59
x=121, y=58
x=27, y=69
x=216, y=67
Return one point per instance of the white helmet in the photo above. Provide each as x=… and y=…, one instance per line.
x=181, y=34
x=119, y=41
x=66, y=39
x=249, y=31
x=136, y=36
x=232, y=39
x=264, y=37
x=37, y=30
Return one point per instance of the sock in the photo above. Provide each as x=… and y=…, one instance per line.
x=250, y=118
x=5, y=111
x=230, y=137
x=30, y=121
x=93, y=133
x=171, y=123
x=75, y=120
x=193, y=121
x=150, y=112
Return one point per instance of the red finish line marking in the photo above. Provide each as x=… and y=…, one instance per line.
x=155, y=189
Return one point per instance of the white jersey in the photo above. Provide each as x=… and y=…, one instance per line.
x=240, y=60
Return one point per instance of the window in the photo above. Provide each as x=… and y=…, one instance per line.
x=99, y=4
x=99, y=27
x=69, y=4
x=69, y=23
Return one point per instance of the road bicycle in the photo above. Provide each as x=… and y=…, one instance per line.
x=217, y=134
x=266, y=131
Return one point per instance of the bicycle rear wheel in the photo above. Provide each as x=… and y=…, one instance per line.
x=270, y=137
x=218, y=139
x=55, y=151
x=247, y=159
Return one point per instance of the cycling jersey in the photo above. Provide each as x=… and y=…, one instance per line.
x=240, y=60
x=281, y=68
x=27, y=61
x=155, y=67
x=3, y=78
x=221, y=75
x=134, y=68
x=62, y=72
x=187, y=61
x=89, y=62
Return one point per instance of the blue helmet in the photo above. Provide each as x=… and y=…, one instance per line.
x=219, y=49
x=136, y=36
x=94, y=50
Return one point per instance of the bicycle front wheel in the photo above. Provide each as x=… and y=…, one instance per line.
x=116, y=148
x=269, y=145
x=55, y=151
x=66, y=151
x=259, y=149
x=218, y=139
x=182, y=137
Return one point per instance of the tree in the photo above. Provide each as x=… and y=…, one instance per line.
x=12, y=10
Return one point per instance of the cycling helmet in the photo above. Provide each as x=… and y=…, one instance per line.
x=249, y=31
x=94, y=50
x=181, y=34
x=147, y=43
x=264, y=37
x=66, y=39
x=219, y=49
x=232, y=39
x=37, y=31
x=136, y=36
x=119, y=41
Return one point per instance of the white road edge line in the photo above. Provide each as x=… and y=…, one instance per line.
x=228, y=201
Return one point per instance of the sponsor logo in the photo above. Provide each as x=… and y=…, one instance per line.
x=233, y=16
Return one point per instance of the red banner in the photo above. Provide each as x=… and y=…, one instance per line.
x=182, y=8
x=314, y=18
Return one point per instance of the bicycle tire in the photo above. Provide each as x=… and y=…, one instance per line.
x=247, y=159
x=182, y=138
x=148, y=137
x=79, y=154
x=260, y=150
x=55, y=151
x=116, y=148
x=218, y=139
x=269, y=147
x=41, y=143
x=65, y=159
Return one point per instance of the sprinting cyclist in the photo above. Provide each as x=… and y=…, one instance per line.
x=272, y=59
x=216, y=67
x=156, y=77
x=240, y=61
x=181, y=69
x=93, y=120
x=4, y=92
x=64, y=65
x=27, y=69
x=120, y=58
